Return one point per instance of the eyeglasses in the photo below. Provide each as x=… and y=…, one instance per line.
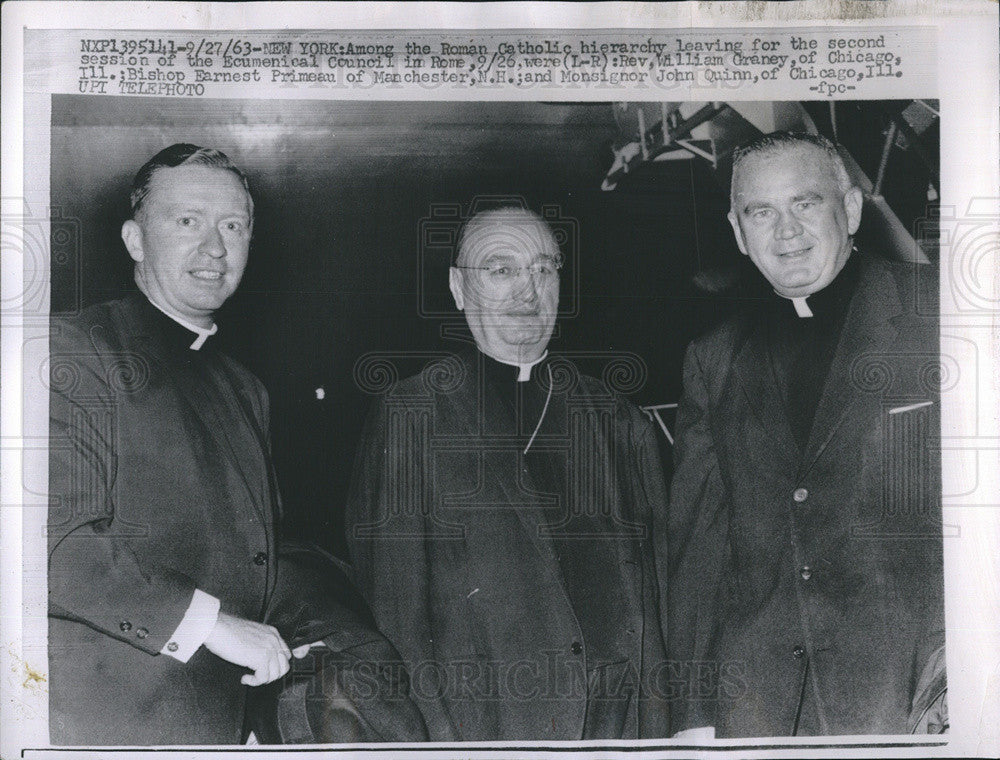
x=503, y=272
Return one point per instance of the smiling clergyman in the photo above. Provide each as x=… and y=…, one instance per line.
x=499, y=518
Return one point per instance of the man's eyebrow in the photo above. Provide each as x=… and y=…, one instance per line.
x=753, y=206
x=811, y=195
x=498, y=258
x=183, y=208
x=512, y=257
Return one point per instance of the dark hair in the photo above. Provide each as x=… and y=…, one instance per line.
x=778, y=141
x=181, y=154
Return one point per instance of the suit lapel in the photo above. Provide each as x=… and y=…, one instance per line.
x=868, y=330
x=244, y=459
x=145, y=338
x=759, y=386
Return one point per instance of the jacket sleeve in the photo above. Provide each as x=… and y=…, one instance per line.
x=387, y=525
x=314, y=599
x=696, y=549
x=96, y=576
x=651, y=506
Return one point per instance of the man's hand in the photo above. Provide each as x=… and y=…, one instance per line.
x=252, y=645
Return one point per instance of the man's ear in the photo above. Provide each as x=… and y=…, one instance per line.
x=854, y=199
x=456, y=283
x=735, y=224
x=132, y=237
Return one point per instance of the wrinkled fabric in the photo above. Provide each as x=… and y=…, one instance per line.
x=455, y=550
x=160, y=483
x=806, y=584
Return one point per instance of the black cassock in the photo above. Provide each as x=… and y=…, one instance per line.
x=506, y=553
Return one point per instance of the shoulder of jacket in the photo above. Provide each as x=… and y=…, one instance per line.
x=441, y=375
x=625, y=409
x=722, y=337
x=238, y=368
x=908, y=274
x=917, y=285
x=96, y=328
x=416, y=385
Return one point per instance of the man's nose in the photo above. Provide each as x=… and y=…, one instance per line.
x=788, y=226
x=212, y=243
x=527, y=288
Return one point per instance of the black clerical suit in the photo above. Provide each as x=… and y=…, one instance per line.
x=517, y=585
x=805, y=588
x=161, y=483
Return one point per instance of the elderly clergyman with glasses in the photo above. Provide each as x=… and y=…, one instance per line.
x=499, y=518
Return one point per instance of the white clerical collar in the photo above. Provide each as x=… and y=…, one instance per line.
x=202, y=333
x=801, y=307
x=524, y=370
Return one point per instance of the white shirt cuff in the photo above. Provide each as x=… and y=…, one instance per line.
x=702, y=733
x=194, y=628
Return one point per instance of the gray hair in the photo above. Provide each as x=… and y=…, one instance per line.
x=775, y=142
x=515, y=215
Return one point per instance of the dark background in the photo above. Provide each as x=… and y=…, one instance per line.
x=339, y=266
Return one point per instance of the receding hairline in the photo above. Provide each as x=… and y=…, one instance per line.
x=834, y=163
x=197, y=166
x=176, y=156
x=480, y=222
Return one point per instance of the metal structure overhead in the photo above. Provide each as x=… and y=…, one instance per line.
x=710, y=131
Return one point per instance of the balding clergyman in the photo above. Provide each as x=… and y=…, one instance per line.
x=499, y=517
x=805, y=543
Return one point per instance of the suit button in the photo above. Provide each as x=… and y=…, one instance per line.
x=141, y=633
x=260, y=558
x=806, y=572
x=800, y=495
x=171, y=646
x=798, y=653
x=125, y=626
x=576, y=647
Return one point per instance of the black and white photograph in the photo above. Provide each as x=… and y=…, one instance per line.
x=482, y=424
